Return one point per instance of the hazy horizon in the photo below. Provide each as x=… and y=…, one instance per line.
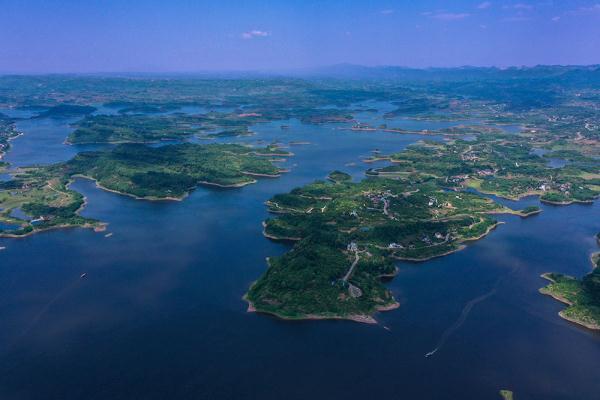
x=154, y=37
x=288, y=71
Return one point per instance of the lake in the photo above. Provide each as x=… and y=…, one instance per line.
x=159, y=313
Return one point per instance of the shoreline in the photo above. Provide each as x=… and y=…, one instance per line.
x=288, y=154
x=519, y=213
x=418, y=260
x=262, y=175
x=111, y=142
x=560, y=299
x=360, y=318
x=461, y=246
x=148, y=198
x=566, y=203
x=100, y=227
x=168, y=198
x=537, y=194
x=277, y=238
x=8, y=140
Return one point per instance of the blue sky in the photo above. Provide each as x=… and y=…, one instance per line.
x=168, y=36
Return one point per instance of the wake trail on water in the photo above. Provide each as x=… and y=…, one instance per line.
x=461, y=320
x=47, y=306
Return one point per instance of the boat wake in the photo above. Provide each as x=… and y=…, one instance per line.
x=432, y=352
x=461, y=320
x=48, y=305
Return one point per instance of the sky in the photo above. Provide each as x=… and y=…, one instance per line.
x=52, y=36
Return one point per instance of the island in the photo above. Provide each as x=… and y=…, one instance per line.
x=66, y=111
x=582, y=296
x=39, y=198
x=130, y=129
x=432, y=199
x=347, y=235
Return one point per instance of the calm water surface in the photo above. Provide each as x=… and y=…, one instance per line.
x=160, y=315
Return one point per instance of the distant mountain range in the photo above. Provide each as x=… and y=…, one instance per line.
x=590, y=73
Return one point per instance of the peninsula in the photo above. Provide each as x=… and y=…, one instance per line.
x=431, y=200
x=582, y=296
x=348, y=234
x=38, y=198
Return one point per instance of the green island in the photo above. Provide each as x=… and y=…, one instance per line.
x=140, y=128
x=39, y=198
x=66, y=111
x=582, y=296
x=129, y=129
x=339, y=176
x=347, y=236
x=429, y=202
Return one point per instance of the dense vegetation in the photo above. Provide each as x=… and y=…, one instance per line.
x=367, y=224
x=38, y=199
x=129, y=128
x=66, y=111
x=42, y=199
x=426, y=203
x=169, y=171
x=500, y=164
x=581, y=295
x=420, y=206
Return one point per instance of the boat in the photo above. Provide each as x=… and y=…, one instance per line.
x=83, y=275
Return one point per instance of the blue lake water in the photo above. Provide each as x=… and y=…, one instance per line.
x=159, y=313
x=552, y=162
x=8, y=227
x=43, y=142
x=19, y=214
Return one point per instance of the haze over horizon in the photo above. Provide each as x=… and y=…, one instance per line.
x=183, y=36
